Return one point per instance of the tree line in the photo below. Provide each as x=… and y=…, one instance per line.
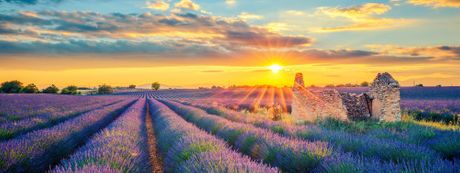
x=16, y=86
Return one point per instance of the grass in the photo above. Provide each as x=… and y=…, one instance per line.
x=365, y=126
x=440, y=117
x=5, y=134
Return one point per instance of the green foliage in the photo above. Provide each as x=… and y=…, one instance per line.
x=364, y=84
x=248, y=143
x=31, y=88
x=105, y=89
x=155, y=86
x=51, y=89
x=196, y=148
x=71, y=90
x=277, y=129
x=446, y=118
x=13, y=117
x=449, y=146
x=350, y=126
x=5, y=134
x=11, y=87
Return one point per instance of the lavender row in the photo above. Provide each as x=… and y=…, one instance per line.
x=122, y=146
x=186, y=148
x=347, y=162
x=433, y=105
x=445, y=142
x=367, y=145
x=395, y=155
x=14, y=107
x=14, y=128
x=37, y=150
x=289, y=154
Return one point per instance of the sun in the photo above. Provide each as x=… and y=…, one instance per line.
x=275, y=68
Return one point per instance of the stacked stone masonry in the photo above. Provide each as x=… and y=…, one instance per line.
x=382, y=102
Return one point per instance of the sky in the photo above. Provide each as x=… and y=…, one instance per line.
x=191, y=43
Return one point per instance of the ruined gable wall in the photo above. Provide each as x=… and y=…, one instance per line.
x=309, y=106
x=382, y=102
x=385, y=93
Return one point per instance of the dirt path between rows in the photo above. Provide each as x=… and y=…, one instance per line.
x=155, y=159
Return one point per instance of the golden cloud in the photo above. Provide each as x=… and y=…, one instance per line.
x=436, y=3
x=157, y=5
x=187, y=4
x=362, y=17
x=248, y=16
x=230, y=2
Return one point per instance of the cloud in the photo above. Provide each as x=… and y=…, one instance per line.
x=345, y=56
x=276, y=27
x=295, y=13
x=230, y=2
x=395, y=2
x=187, y=4
x=56, y=28
x=248, y=16
x=436, y=3
x=438, y=52
x=157, y=5
x=361, y=17
x=356, y=12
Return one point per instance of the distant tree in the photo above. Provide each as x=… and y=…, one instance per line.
x=438, y=86
x=83, y=88
x=216, y=87
x=330, y=86
x=132, y=86
x=11, y=87
x=51, y=89
x=105, y=89
x=72, y=90
x=155, y=86
x=364, y=84
x=31, y=88
x=419, y=85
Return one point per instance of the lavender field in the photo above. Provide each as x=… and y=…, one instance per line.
x=222, y=130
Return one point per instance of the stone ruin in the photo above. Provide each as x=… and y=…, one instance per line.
x=382, y=102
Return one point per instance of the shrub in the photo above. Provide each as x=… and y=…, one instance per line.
x=31, y=88
x=11, y=87
x=443, y=117
x=51, y=89
x=132, y=86
x=105, y=89
x=155, y=86
x=72, y=90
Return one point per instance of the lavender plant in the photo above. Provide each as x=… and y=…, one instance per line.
x=291, y=155
x=10, y=129
x=186, y=148
x=121, y=146
x=37, y=150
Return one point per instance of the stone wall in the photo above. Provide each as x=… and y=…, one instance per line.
x=382, y=103
x=385, y=95
x=309, y=106
x=358, y=105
